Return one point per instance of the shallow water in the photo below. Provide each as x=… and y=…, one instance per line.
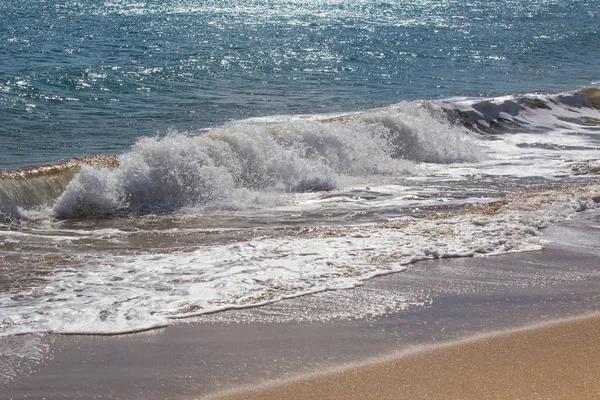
x=429, y=304
x=302, y=147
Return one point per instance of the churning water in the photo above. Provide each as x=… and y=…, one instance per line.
x=166, y=159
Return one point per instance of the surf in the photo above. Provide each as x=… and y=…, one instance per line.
x=232, y=166
x=35, y=187
x=246, y=163
x=536, y=112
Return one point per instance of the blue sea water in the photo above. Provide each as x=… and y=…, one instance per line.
x=89, y=77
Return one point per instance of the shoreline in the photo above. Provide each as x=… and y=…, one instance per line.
x=553, y=360
x=431, y=303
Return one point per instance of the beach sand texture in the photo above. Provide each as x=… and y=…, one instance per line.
x=553, y=361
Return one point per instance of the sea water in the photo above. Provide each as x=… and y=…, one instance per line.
x=166, y=159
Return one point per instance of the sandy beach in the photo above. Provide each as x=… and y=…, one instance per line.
x=559, y=360
x=435, y=307
x=284, y=199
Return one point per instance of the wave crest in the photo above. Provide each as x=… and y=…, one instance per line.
x=22, y=191
x=531, y=112
x=222, y=167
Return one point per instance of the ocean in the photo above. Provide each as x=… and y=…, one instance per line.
x=166, y=159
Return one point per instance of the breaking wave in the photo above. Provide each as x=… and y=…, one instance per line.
x=242, y=163
x=228, y=166
x=531, y=112
x=31, y=188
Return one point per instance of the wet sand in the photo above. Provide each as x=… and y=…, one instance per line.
x=429, y=304
x=554, y=361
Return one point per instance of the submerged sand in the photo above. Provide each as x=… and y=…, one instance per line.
x=555, y=361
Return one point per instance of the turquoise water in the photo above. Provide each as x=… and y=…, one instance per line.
x=89, y=77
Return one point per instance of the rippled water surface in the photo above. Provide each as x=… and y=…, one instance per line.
x=89, y=77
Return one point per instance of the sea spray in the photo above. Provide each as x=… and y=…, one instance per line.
x=242, y=163
x=219, y=168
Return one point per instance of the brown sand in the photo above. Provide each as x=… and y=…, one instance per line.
x=553, y=361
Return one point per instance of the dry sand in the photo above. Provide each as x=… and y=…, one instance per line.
x=553, y=361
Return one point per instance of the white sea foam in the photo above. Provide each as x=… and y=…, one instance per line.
x=112, y=293
x=227, y=166
x=540, y=113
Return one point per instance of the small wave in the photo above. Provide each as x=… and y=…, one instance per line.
x=26, y=189
x=229, y=166
x=134, y=291
x=530, y=112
